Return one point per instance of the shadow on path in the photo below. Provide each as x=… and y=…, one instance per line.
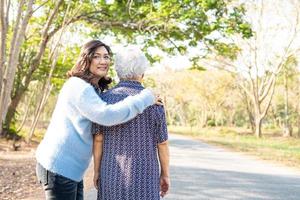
x=197, y=184
x=200, y=171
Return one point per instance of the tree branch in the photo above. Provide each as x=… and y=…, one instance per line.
x=267, y=89
x=42, y=4
x=269, y=101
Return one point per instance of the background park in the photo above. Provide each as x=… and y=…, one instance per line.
x=228, y=71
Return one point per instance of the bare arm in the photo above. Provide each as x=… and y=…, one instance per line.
x=97, y=153
x=164, y=157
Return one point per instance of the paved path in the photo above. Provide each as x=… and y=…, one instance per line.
x=204, y=172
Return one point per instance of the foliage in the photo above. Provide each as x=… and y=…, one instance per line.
x=193, y=98
x=198, y=98
x=173, y=26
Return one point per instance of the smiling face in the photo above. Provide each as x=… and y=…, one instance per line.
x=100, y=62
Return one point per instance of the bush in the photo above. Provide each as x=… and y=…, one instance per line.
x=211, y=123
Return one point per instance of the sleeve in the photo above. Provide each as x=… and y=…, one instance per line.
x=96, y=129
x=161, y=125
x=91, y=106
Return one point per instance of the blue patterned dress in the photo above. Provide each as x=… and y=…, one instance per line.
x=129, y=167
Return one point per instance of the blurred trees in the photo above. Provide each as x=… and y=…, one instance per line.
x=262, y=58
x=31, y=29
x=213, y=98
x=260, y=86
x=200, y=98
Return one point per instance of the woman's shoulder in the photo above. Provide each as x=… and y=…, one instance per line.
x=157, y=109
x=76, y=87
x=76, y=84
x=77, y=81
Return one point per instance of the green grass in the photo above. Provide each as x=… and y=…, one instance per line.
x=271, y=146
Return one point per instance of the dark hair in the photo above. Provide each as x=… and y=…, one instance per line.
x=104, y=82
x=82, y=67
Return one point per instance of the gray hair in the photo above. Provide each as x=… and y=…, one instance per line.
x=130, y=63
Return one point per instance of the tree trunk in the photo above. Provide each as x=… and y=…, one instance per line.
x=298, y=107
x=258, y=123
x=42, y=103
x=13, y=107
x=3, y=30
x=298, y=125
x=231, y=119
x=47, y=87
x=26, y=113
x=10, y=70
x=251, y=121
x=167, y=113
x=249, y=111
x=287, y=132
x=33, y=65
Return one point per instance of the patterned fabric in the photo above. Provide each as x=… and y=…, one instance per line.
x=129, y=166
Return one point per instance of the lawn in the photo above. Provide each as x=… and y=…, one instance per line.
x=272, y=146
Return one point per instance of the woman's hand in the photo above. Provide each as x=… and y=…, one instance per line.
x=96, y=180
x=158, y=99
x=164, y=185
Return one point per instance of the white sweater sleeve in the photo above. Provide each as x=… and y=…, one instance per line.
x=91, y=106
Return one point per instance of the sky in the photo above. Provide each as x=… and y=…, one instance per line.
x=278, y=22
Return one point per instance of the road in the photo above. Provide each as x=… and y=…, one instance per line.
x=205, y=172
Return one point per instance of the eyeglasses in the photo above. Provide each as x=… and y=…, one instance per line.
x=105, y=58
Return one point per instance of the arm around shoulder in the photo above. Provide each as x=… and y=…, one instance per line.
x=95, y=109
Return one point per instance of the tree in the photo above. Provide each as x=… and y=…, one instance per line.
x=288, y=72
x=32, y=58
x=9, y=63
x=170, y=25
x=173, y=26
x=40, y=29
x=284, y=106
x=259, y=61
x=198, y=98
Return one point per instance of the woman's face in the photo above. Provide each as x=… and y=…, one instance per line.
x=100, y=62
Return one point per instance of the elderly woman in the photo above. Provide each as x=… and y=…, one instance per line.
x=126, y=164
